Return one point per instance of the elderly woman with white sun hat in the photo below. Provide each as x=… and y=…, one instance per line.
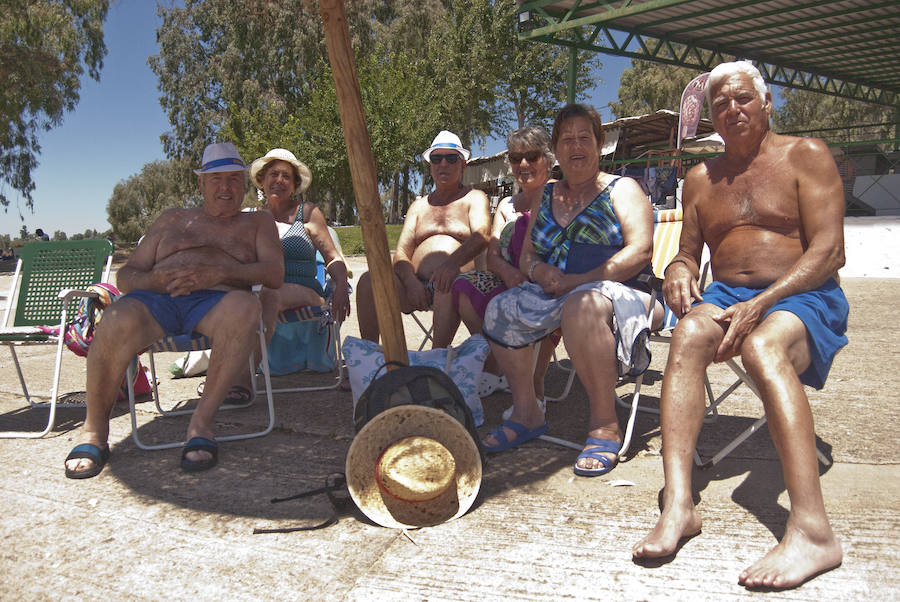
x=281, y=180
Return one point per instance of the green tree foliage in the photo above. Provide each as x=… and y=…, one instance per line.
x=648, y=86
x=139, y=200
x=533, y=77
x=45, y=48
x=60, y=235
x=826, y=116
x=258, y=74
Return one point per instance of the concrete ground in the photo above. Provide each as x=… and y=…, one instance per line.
x=144, y=530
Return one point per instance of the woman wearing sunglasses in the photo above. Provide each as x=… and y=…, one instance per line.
x=587, y=241
x=530, y=159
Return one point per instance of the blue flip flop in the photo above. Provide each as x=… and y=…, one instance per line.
x=199, y=444
x=522, y=432
x=89, y=451
x=599, y=446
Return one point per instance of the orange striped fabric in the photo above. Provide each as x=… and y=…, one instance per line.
x=666, y=235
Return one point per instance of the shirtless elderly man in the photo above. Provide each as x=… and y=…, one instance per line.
x=442, y=235
x=191, y=272
x=771, y=210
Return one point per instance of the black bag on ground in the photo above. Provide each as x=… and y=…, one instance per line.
x=419, y=385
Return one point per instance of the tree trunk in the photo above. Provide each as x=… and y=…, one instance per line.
x=365, y=182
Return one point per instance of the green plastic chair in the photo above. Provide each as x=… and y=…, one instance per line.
x=48, y=276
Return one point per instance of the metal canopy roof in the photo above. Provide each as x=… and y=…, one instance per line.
x=848, y=48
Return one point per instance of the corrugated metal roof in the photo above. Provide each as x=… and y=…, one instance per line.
x=842, y=47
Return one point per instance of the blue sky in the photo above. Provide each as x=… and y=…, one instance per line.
x=115, y=128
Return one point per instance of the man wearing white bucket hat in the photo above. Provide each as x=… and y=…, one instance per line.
x=443, y=234
x=192, y=271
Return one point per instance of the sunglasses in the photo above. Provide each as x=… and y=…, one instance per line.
x=451, y=158
x=530, y=156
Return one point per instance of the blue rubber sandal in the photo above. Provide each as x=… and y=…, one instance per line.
x=599, y=446
x=199, y=444
x=523, y=434
x=89, y=451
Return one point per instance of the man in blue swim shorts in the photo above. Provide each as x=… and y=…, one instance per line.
x=771, y=210
x=192, y=272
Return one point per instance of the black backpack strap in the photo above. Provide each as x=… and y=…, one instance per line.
x=338, y=494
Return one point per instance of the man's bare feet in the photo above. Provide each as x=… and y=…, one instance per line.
x=675, y=523
x=795, y=559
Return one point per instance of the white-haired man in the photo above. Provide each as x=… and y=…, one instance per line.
x=191, y=272
x=771, y=210
x=442, y=235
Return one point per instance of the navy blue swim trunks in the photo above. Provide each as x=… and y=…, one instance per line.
x=823, y=311
x=178, y=315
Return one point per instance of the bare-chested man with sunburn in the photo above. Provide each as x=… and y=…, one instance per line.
x=192, y=271
x=771, y=210
x=442, y=236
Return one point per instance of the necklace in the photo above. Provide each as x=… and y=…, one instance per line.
x=287, y=216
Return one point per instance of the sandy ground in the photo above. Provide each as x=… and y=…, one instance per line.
x=143, y=530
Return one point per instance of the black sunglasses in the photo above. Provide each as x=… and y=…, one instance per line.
x=530, y=156
x=451, y=158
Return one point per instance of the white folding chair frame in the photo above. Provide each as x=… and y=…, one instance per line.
x=335, y=328
x=177, y=412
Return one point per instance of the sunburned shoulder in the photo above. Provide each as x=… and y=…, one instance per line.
x=802, y=149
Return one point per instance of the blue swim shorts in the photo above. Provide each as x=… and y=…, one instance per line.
x=178, y=315
x=823, y=311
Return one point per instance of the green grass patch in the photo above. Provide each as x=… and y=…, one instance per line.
x=352, y=242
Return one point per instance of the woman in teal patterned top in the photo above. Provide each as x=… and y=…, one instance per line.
x=588, y=240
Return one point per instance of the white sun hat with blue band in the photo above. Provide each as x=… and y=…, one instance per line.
x=221, y=156
x=448, y=141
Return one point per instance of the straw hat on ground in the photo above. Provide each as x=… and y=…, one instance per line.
x=413, y=466
x=280, y=154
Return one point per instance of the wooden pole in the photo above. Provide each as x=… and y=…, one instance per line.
x=365, y=183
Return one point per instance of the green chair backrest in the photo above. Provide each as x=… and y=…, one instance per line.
x=49, y=267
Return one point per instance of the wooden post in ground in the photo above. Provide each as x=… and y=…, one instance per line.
x=365, y=183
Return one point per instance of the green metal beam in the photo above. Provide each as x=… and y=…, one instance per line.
x=593, y=33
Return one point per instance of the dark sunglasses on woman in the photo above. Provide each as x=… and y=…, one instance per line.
x=530, y=156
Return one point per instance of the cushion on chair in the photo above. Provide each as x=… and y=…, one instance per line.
x=363, y=358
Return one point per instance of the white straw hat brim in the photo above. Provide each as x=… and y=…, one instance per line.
x=280, y=154
x=408, y=421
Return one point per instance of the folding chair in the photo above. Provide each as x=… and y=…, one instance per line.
x=48, y=276
x=322, y=315
x=198, y=342
x=667, y=225
x=427, y=331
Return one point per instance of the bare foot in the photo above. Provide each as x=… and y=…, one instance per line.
x=794, y=560
x=675, y=523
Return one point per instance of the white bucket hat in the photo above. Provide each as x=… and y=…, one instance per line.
x=447, y=140
x=280, y=154
x=413, y=466
x=221, y=156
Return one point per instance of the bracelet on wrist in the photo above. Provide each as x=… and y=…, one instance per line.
x=531, y=270
x=674, y=261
